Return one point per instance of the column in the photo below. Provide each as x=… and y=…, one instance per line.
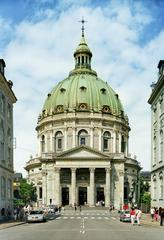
x=44, y=187
x=57, y=186
x=121, y=186
x=91, y=137
x=65, y=138
x=107, y=190
x=92, y=187
x=73, y=185
x=73, y=137
x=114, y=142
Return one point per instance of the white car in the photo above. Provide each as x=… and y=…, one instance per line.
x=37, y=216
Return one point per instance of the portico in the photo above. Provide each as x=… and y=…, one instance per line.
x=79, y=180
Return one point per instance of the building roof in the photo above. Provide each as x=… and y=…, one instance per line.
x=82, y=90
x=159, y=84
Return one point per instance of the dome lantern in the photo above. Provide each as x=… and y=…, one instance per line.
x=82, y=54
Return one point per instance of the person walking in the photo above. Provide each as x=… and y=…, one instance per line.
x=132, y=215
x=156, y=214
x=161, y=214
x=138, y=216
x=152, y=211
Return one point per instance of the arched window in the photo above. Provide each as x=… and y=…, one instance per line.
x=2, y=141
x=154, y=150
x=154, y=188
x=161, y=147
x=43, y=143
x=161, y=187
x=117, y=142
x=106, y=141
x=59, y=141
x=83, y=137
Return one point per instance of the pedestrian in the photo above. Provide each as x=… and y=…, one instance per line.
x=15, y=214
x=138, y=216
x=161, y=214
x=132, y=215
x=75, y=206
x=156, y=214
x=152, y=211
x=8, y=213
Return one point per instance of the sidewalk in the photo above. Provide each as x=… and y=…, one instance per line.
x=9, y=223
x=146, y=220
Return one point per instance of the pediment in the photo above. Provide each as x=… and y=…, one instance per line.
x=82, y=152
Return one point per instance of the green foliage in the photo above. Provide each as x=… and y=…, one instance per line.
x=144, y=192
x=146, y=198
x=27, y=193
x=144, y=186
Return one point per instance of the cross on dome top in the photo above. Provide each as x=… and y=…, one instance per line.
x=82, y=28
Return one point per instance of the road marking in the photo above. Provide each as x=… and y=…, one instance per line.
x=65, y=217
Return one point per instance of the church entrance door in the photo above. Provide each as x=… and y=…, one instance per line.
x=82, y=195
x=100, y=195
x=65, y=196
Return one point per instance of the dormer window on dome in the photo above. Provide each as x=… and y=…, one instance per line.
x=83, y=88
x=103, y=90
x=62, y=90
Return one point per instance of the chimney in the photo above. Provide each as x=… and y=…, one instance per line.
x=2, y=66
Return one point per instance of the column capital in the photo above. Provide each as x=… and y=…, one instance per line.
x=92, y=170
x=44, y=173
x=57, y=169
x=73, y=169
x=108, y=169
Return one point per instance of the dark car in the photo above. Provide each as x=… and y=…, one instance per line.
x=125, y=216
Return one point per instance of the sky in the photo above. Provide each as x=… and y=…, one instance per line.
x=37, y=41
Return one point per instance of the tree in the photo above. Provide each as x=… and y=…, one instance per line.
x=27, y=193
x=144, y=187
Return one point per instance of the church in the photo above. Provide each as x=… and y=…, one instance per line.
x=83, y=134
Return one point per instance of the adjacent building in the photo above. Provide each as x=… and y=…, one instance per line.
x=156, y=101
x=83, y=134
x=7, y=99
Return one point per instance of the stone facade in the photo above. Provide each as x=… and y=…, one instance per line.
x=157, y=139
x=7, y=98
x=83, y=136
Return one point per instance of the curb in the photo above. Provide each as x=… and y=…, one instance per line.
x=11, y=224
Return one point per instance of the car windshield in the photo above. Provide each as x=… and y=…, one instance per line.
x=36, y=212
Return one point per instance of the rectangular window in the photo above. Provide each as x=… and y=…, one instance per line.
x=105, y=144
x=82, y=141
x=9, y=189
x=40, y=192
x=3, y=188
x=59, y=143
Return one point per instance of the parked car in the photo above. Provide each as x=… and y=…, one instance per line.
x=125, y=216
x=52, y=208
x=37, y=216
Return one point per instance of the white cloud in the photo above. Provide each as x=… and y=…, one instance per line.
x=41, y=53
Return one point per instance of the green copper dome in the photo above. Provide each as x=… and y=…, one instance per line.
x=82, y=90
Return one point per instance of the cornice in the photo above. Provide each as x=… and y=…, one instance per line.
x=156, y=90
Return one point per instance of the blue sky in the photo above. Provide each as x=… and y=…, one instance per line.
x=37, y=41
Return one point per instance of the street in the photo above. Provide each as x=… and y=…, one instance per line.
x=88, y=225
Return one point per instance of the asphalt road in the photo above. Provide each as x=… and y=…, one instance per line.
x=88, y=225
